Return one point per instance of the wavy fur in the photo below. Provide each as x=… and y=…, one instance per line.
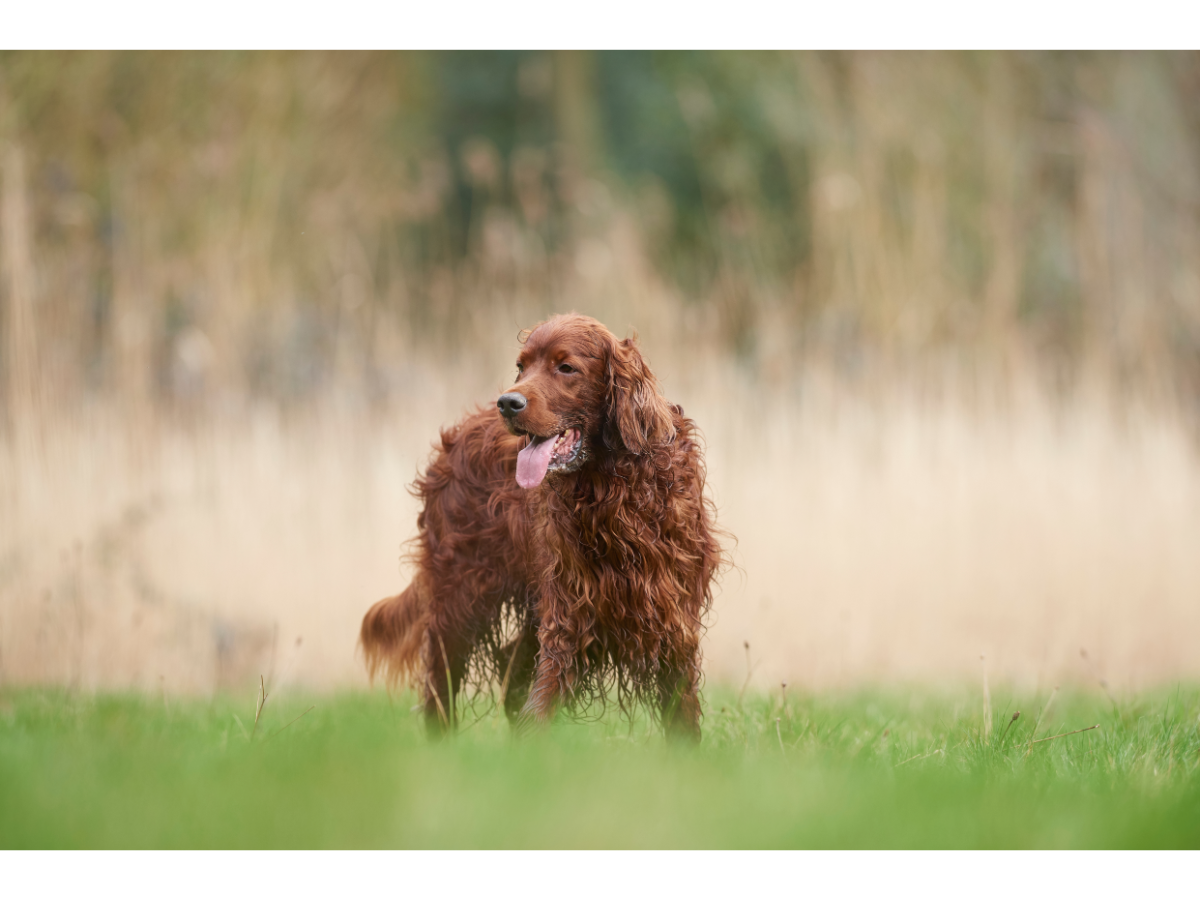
x=598, y=579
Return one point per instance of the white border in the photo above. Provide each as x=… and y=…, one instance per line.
x=633, y=24
x=584, y=875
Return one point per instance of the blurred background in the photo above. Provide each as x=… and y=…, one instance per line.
x=937, y=314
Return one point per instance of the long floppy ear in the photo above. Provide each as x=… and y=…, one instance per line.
x=637, y=415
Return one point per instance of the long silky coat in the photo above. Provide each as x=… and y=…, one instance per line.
x=596, y=577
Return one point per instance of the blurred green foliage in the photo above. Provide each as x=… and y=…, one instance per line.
x=871, y=770
x=801, y=205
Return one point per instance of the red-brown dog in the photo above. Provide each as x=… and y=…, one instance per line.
x=575, y=515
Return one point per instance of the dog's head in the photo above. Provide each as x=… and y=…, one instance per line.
x=581, y=394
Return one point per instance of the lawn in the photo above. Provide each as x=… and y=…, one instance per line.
x=876, y=769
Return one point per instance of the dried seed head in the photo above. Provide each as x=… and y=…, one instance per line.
x=746, y=644
x=1016, y=716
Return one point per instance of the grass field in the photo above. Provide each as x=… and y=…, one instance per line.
x=878, y=769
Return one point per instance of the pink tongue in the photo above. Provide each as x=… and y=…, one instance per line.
x=533, y=461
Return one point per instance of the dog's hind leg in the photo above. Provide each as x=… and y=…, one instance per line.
x=446, y=667
x=679, y=698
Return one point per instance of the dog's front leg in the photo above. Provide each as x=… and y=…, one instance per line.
x=552, y=681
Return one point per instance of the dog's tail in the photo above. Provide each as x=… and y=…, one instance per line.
x=393, y=635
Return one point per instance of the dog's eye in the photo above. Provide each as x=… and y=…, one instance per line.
x=520, y=369
x=565, y=369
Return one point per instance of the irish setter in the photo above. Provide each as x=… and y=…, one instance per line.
x=566, y=546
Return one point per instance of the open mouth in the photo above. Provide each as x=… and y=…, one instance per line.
x=547, y=454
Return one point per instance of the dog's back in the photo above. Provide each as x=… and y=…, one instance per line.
x=471, y=553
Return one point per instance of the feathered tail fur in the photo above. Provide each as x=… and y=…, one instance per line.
x=393, y=635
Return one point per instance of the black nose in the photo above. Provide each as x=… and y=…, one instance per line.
x=511, y=403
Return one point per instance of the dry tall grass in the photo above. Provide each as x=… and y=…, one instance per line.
x=878, y=540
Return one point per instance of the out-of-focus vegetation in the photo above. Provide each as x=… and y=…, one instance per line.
x=937, y=315
x=191, y=228
x=869, y=770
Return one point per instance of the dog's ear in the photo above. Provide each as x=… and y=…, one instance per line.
x=637, y=415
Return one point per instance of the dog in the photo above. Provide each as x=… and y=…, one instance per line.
x=566, y=546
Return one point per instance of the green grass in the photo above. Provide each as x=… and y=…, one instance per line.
x=877, y=769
